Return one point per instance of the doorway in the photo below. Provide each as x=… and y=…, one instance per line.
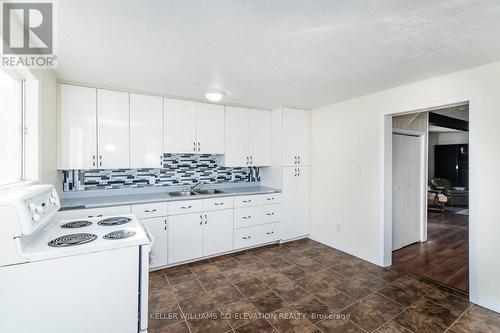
x=433, y=241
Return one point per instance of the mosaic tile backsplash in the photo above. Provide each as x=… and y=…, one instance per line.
x=178, y=169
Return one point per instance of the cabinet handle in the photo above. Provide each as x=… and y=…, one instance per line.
x=247, y=237
x=161, y=160
x=271, y=198
x=270, y=233
x=186, y=207
x=199, y=146
x=150, y=211
x=247, y=201
x=100, y=160
x=247, y=217
x=100, y=215
x=218, y=203
x=295, y=175
x=194, y=146
x=93, y=160
x=165, y=224
x=270, y=214
x=251, y=160
x=201, y=219
x=206, y=219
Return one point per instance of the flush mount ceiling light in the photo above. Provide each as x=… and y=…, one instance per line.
x=213, y=95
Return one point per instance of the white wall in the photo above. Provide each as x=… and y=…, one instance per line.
x=346, y=169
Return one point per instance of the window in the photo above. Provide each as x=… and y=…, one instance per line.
x=11, y=129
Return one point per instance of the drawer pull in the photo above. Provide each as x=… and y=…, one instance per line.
x=218, y=203
x=269, y=199
x=247, y=237
x=270, y=232
x=247, y=201
x=247, y=217
x=150, y=211
x=270, y=214
x=186, y=207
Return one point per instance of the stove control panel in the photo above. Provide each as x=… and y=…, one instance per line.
x=41, y=205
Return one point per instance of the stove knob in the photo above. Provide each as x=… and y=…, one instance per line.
x=52, y=200
x=36, y=217
x=39, y=209
x=32, y=206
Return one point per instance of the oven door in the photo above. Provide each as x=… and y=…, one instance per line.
x=143, y=287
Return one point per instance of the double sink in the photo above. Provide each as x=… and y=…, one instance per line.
x=195, y=192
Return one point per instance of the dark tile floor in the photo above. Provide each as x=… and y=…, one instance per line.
x=304, y=286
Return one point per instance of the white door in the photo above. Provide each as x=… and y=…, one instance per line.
x=290, y=137
x=113, y=129
x=185, y=237
x=157, y=226
x=179, y=126
x=218, y=232
x=407, y=178
x=259, y=133
x=236, y=151
x=210, y=128
x=302, y=137
x=289, y=203
x=146, y=131
x=302, y=201
x=77, y=128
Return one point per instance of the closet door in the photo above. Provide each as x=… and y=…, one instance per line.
x=113, y=129
x=407, y=201
x=179, y=126
x=77, y=127
x=146, y=131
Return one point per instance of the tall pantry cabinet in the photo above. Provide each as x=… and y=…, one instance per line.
x=289, y=169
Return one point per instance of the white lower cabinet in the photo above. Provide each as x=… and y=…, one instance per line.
x=157, y=227
x=295, y=202
x=260, y=234
x=218, y=232
x=185, y=237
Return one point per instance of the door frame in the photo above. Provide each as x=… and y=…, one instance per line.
x=424, y=167
x=385, y=178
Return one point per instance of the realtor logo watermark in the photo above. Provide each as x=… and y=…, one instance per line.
x=28, y=34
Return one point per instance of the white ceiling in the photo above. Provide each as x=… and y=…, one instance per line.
x=271, y=52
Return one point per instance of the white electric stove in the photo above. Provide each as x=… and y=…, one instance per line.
x=81, y=276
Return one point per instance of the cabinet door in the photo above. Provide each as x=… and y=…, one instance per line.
x=158, y=229
x=185, y=237
x=78, y=135
x=236, y=152
x=210, y=128
x=259, y=133
x=290, y=137
x=113, y=129
x=302, y=135
x=146, y=131
x=301, y=225
x=289, y=202
x=218, y=232
x=179, y=126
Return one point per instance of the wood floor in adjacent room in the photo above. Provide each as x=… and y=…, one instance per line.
x=445, y=255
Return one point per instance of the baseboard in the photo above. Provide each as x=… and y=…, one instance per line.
x=345, y=249
x=485, y=303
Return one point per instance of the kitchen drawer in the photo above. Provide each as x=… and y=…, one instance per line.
x=269, y=199
x=217, y=203
x=246, y=200
x=155, y=209
x=271, y=213
x=247, y=216
x=185, y=207
x=92, y=212
x=256, y=235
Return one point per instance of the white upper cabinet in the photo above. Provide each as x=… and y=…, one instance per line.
x=179, y=126
x=78, y=127
x=236, y=153
x=210, y=128
x=113, y=129
x=195, y=128
x=259, y=137
x=146, y=131
x=295, y=137
x=247, y=137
